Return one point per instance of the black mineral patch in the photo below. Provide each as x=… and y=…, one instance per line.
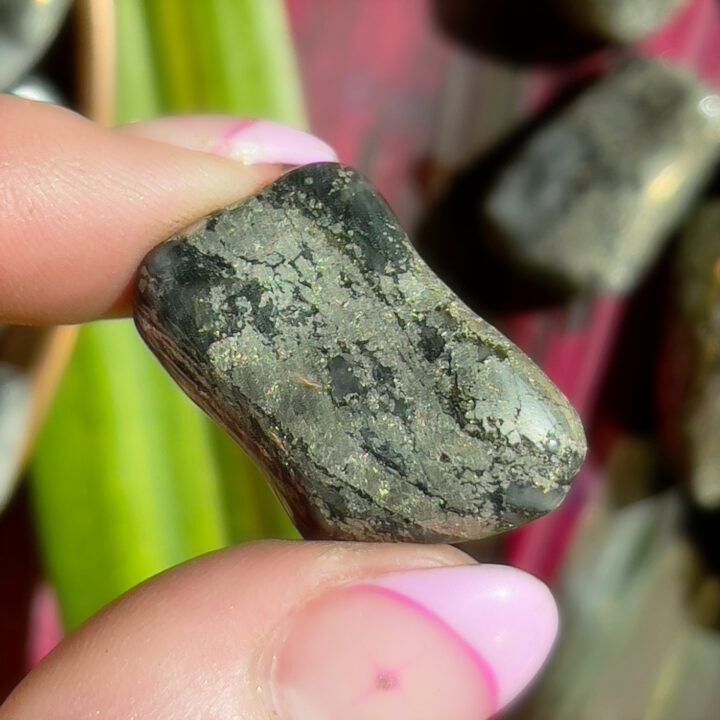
x=343, y=381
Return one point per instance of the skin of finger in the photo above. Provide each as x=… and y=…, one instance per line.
x=189, y=643
x=81, y=205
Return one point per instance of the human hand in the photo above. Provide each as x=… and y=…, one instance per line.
x=299, y=631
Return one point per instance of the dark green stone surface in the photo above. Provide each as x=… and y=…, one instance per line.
x=590, y=199
x=379, y=405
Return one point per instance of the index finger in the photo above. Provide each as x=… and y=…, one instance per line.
x=81, y=205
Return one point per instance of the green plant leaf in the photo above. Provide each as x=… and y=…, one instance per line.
x=124, y=478
x=128, y=477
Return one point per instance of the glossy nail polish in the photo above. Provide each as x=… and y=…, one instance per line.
x=250, y=142
x=454, y=643
x=256, y=141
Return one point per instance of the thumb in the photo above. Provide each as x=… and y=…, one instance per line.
x=303, y=631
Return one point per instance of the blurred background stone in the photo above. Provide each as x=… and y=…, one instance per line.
x=517, y=31
x=589, y=200
x=619, y=21
x=689, y=384
x=26, y=30
x=14, y=417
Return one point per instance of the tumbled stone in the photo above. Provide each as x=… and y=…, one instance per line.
x=589, y=200
x=378, y=404
x=698, y=285
x=619, y=21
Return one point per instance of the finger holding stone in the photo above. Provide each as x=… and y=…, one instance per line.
x=81, y=205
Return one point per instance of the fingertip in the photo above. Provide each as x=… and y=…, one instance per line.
x=83, y=205
x=303, y=631
x=458, y=641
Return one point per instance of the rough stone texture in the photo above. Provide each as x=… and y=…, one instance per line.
x=698, y=284
x=588, y=201
x=620, y=21
x=379, y=405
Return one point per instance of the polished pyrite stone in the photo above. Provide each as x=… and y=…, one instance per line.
x=620, y=21
x=588, y=201
x=378, y=404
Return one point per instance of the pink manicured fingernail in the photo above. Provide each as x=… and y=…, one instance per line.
x=250, y=142
x=457, y=642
